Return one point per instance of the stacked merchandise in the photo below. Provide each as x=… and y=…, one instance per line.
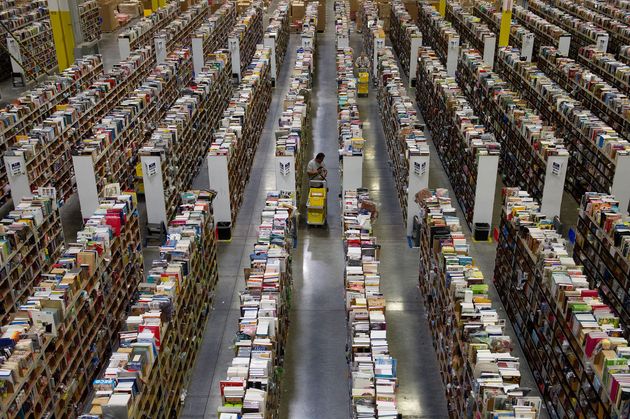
x=216, y=29
x=603, y=246
x=404, y=134
x=573, y=340
x=249, y=33
x=372, y=29
x=526, y=139
x=294, y=125
x=89, y=18
x=32, y=50
x=141, y=33
x=437, y=32
x=56, y=342
x=480, y=375
x=583, y=33
x=492, y=17
x=252, y=385
x=373, y=370
x=158, y=340
x=342, y=23
x=458, y=135
x=612, y=106
x=31, y=240
x=619, y=32
x=179, y=30
x=594, y=146
x=403, y=31
x=606, y=65
x=117, y=138
x=546, y=33
x=609, y=10
x=278, y=31
x=624, y=54
x=349, y=124
x=471, y=28
x=242, y=125
x=184, y=134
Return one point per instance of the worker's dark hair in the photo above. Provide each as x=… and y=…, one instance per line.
x=320, y=156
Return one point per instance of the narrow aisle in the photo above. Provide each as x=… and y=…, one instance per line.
x=316, y=371
x=216, y=351
x=408, y=332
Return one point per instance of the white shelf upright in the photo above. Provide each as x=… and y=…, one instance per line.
x=487, y=169
x=554, y=185
x=152, y=178
x=219, y=181
x=418, y=180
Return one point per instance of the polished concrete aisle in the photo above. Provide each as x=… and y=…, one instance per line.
x=217, y=351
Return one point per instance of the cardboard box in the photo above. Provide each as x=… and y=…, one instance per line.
x=384, y=10
x=321, y=16
x=298, y=9
x=354, y=6
x=133, y=9
x=109, y=23
x=412, y=9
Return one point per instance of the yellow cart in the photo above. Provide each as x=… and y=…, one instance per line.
x=364, y=79
x=316, y=207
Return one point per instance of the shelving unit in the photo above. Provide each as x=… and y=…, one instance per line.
x=609, y=10
x=31, y=240
x=373, y=370
x=582, y=33
x=606, y=65
x=172, y=156
x=612, y=106
x=234, y=144
x=89, y=16
x=624, y=54
x=480, y=376
x=546, y=33
x=253, y=383
x=469, y=154
x=407, y=146
x=244, y=39
x=342, y=24
x=276, y=37
x=148, y=373
x=141, y=33
x=406, y=39
x=63, y=332
x=32, y=50
x=440, y=35
x=373, y=32
x=213, y=34
x=600, y=157
x=473, y=31
x=571, y=338
x=533, y=156
x=178, y=31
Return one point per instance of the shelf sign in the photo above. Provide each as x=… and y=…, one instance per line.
x=151, y=168
x=420, y=168
x=556, y=168
x=16, y=168
x=285, y=168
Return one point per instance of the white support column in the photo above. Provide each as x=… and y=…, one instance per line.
x=124, y=48
x=197, y=54
x=489, y=45
x=352, y=173
x=564, y=43
x=527, y=49
x=235, y=50
x=285, y=173
x=86, y=184
x=416, y=43
x=270, y=42
x=487, y=168
x=602, y=42
x=18, y=177
x=153, y=180
x=418, y=180
x=554, y=185
x=621, y=183
x=452, y=56
x=378, y=44
x=160, y=49
x=220, y=182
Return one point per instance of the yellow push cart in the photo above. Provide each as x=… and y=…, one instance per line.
x=316, y=207
x=364, y=79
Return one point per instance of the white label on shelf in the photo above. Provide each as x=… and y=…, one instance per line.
x=556, y=167
x=16, y=168
x=285, y=168
x=151, y=168
x=527, y=49
x=602, y=42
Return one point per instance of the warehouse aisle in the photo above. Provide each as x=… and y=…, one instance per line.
x=216, y=352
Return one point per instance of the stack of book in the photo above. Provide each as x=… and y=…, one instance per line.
x=249, y=33
x=349, y=124
x=471, y=28
x=402, y=30
x=404, y=133
x=606, y=65
x=594, y=146
x=158, y=340
x=372, y=29
x=278, y=31
x=572, y=339
x=141, y=33
x=373, y=369
x=179, y=30
x=603, y=246
x=342, y=23
x=624, y=54
x=57, y=341
x=183, y=134
x=215, y=30
x=546, y=32
x=582, y=33
x=480, y=375
x=32, y=50
x=458, y=134
x=253, y=383
x=31, y=240
x=611, y=105
x=491, y=16
x=242, y=124
x=437, y=32
x=619, y=12
x=90, y=21
x=526, y=139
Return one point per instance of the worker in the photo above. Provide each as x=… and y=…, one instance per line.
x=316, y=170
x=362, y=62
